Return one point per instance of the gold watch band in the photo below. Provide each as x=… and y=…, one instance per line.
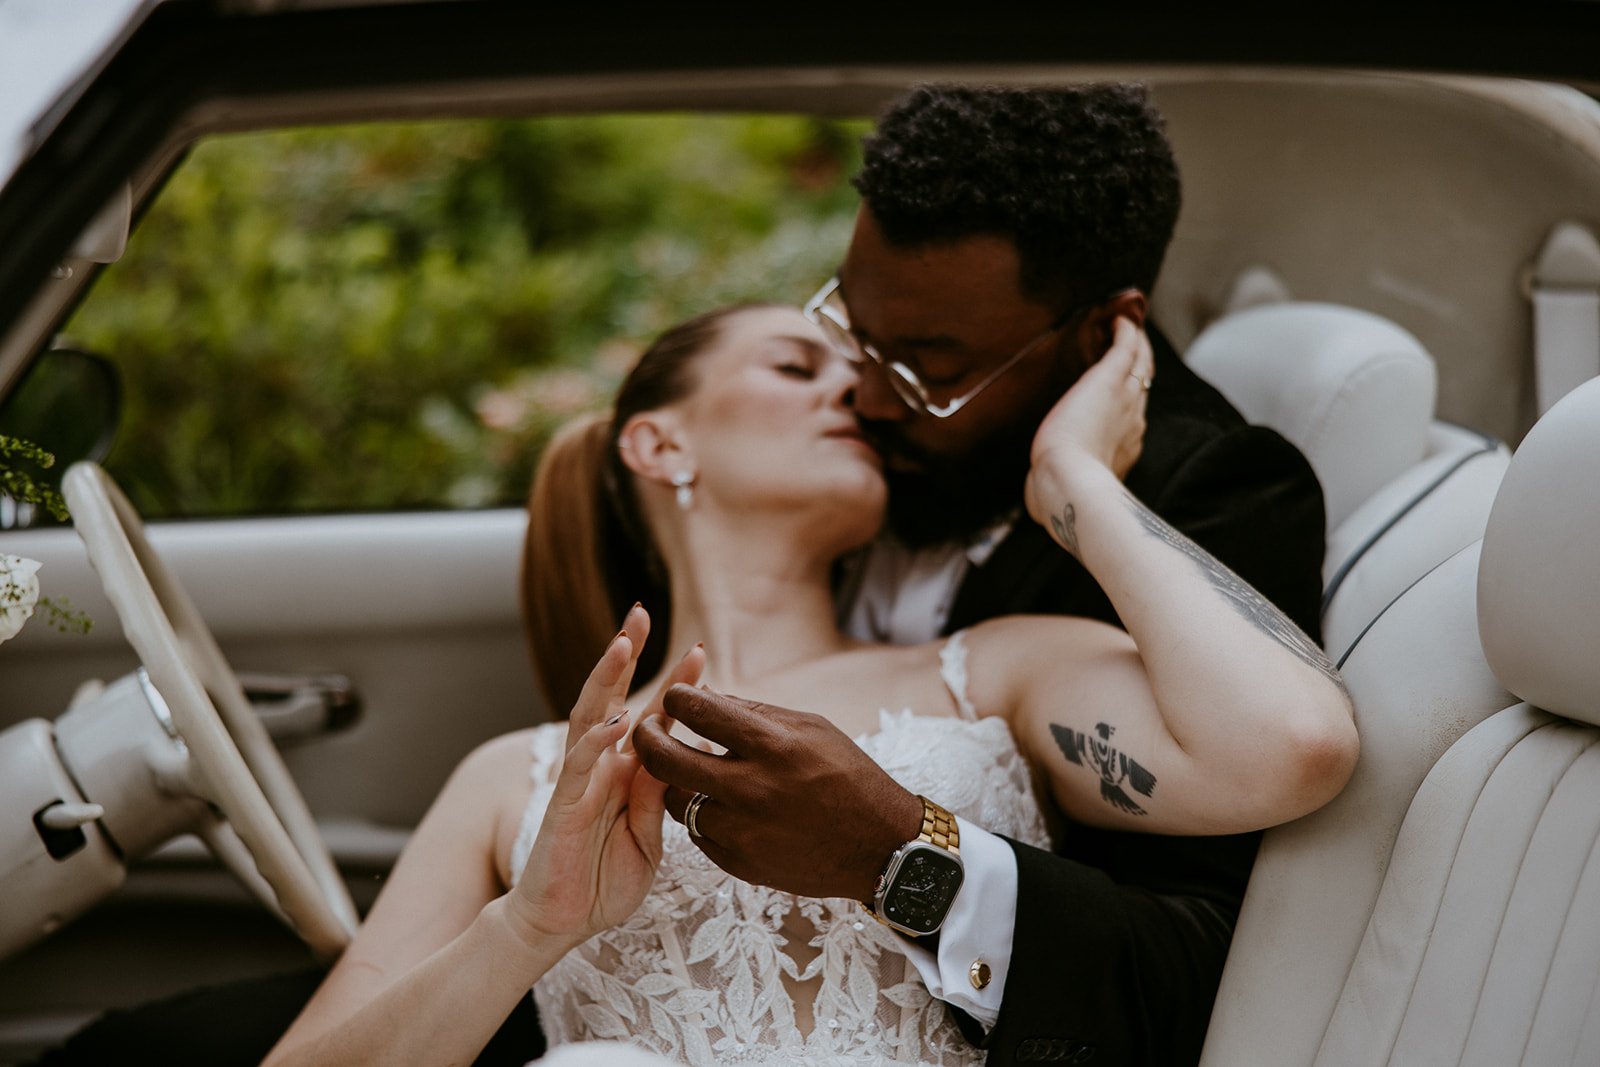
x=939, y=827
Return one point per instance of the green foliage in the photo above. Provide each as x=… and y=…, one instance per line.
x=61, y=614
x=398, y=316
x=17, y=483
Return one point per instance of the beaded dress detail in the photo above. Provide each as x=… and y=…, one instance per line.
x=711, y=970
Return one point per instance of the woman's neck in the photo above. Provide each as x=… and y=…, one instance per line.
x=760, y=601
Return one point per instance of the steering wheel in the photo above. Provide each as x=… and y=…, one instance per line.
x=232, y=762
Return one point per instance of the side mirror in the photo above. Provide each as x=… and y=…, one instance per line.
x=69, y=404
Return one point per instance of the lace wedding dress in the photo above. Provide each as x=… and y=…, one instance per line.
x=713, y=971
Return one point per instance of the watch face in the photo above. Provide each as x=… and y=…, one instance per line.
x=922, y=888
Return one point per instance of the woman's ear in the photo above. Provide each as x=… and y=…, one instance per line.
x=652, y=446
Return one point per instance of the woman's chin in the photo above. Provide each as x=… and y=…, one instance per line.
x=861, y=522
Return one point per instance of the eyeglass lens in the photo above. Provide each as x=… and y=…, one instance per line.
x=833, y=317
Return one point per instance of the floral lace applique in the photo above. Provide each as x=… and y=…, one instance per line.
x=712, y=971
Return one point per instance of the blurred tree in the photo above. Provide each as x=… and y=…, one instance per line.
x=398, y=316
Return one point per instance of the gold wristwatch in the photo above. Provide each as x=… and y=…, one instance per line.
x=923, y=876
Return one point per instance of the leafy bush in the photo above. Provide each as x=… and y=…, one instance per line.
x=398, y=316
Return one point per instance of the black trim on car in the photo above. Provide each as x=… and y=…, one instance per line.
x=1489, y=446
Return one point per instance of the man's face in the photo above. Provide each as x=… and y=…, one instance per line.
x=953, y=313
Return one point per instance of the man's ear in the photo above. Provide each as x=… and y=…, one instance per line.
x=652, y=446
x=1098, y=328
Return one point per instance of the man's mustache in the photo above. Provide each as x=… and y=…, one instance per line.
x=891, y=445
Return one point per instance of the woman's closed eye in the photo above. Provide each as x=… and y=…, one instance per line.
x=798, y=370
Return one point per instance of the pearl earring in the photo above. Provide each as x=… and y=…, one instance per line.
x=684, y=481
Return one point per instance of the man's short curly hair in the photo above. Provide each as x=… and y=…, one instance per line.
x=1081, y=178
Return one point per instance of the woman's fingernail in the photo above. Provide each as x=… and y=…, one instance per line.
x=616, y=719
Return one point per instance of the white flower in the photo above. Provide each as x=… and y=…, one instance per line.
x=19, y=592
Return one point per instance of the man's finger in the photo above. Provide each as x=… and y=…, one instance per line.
x=678, y=802
x=736, y=724
x=686, y=670
x=728, y=861
x=679, y=765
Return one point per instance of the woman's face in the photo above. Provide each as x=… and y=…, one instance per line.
x=771, y=425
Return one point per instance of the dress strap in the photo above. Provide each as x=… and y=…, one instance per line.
x=953, y=669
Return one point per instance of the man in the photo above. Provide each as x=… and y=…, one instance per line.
x=1002, y=234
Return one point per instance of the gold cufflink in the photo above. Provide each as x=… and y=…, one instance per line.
x=979, y=974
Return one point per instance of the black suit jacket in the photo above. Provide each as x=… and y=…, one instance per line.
x=1121, y=938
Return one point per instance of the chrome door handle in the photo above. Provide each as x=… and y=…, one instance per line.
x=298, y=707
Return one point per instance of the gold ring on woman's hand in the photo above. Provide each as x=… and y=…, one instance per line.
x=692, y=812
x=1144, y=382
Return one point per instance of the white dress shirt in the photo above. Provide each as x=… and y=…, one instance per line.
x=903, y=596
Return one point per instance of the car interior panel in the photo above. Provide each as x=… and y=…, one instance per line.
x=1442, y=908
x=1424, y=516
x=1397, y=226
x=1355, y=393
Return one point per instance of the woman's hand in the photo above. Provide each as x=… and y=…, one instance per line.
x=600, y=842
x=1099, y=421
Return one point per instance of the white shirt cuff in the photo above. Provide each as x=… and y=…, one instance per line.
x=978, y=929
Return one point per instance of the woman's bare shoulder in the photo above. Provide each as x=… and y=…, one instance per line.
x=503, y=755
x=1012, y=655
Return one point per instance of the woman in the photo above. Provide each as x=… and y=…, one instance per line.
x=734, y=462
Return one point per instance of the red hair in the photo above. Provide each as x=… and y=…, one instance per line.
x=589, y=554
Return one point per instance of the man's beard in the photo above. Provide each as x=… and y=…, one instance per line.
x=953, y=497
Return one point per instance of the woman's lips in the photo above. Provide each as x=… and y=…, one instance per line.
x=854, y=435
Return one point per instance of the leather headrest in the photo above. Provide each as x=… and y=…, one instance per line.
x=1539, y=577
x=1352, y=391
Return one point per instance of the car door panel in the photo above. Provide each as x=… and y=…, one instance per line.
x=418, y=611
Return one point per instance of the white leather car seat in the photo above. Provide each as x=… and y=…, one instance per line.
x=1356, y=393
x=1478, y=816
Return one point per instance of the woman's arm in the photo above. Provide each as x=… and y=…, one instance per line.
x=447, y=952
x=1213, y=713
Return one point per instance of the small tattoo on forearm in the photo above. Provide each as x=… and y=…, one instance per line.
x=1066, y=528
x=1251, y=605
x=1115, y=768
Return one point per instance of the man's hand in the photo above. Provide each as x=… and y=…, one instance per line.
x=793, y=803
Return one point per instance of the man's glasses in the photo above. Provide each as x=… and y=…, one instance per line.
x=827, y=309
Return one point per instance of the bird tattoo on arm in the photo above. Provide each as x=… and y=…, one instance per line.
x=1115, y=768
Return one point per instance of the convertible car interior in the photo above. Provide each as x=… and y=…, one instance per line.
x=1398, y=271
x=1443, y=908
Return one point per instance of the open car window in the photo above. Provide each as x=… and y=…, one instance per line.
x=397, y=316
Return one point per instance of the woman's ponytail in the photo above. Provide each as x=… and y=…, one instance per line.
x=565, y=600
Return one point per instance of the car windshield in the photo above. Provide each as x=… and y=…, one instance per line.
x=398, y=316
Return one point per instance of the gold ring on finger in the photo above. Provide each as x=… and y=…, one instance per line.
x=692, y=813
